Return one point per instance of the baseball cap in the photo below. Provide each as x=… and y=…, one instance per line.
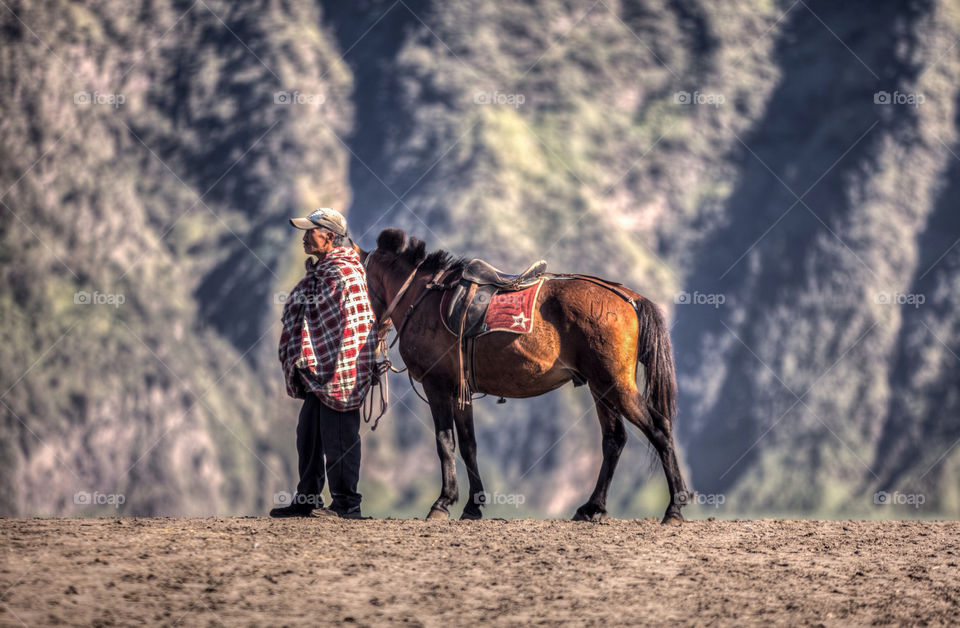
x=324, y=218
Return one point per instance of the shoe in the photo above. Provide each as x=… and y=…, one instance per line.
x=293, y=510
x=353, y=514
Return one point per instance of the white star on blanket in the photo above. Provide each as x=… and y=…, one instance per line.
x=520, y=321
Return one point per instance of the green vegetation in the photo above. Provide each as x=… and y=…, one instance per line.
x=511, y=132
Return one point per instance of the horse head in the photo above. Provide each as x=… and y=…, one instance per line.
x=394, y=259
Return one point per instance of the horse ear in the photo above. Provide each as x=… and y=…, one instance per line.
x=391, y=240
x=418, y=249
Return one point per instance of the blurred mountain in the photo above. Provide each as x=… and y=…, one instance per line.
x=145, y=162
x=780, y=176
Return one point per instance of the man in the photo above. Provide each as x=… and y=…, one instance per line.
x=327, y=350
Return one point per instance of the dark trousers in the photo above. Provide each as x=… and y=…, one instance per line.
x=323, y=432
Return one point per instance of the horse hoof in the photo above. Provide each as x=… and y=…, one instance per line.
x=672, y=520
x=471, y=516
x=584, y=514
x=436, y=513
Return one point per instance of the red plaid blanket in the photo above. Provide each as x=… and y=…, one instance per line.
x=329, y=339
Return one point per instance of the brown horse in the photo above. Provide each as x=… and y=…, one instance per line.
x=585, y=329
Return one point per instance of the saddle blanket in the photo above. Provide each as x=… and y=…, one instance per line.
x=512, y=311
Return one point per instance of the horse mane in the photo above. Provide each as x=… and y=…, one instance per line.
x=413, y=251
x=442, y=260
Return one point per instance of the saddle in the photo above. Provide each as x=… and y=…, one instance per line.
x=482, y=273
x=464, y=308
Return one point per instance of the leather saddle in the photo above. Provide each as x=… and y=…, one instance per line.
x=480, y=272
x=465, y=306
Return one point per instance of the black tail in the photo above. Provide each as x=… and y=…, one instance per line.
x=655, y=352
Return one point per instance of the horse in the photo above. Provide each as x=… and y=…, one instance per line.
x=586, y=329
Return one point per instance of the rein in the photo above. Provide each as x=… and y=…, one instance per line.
x=384, y=366
x=396, y=300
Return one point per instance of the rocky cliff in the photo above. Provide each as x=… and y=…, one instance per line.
x=780, y=176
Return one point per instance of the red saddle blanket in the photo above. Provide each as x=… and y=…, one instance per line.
x=512, y=311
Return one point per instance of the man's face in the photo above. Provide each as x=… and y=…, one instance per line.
x=318, y=242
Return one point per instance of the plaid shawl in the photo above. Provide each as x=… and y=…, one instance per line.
x=329, y=339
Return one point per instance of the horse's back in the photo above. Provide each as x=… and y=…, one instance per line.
x=580, y=328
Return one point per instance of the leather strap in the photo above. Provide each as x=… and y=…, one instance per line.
x=396, y=299
x=612, y=286
x=413, y=306
x=464, y=394
x=471, y=376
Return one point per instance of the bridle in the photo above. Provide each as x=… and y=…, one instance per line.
x=388, y=313
x=383, y=327
x=385, y=321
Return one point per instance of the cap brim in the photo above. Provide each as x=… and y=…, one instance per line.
x=302, y=223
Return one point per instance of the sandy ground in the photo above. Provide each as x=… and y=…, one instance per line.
x=255, y=571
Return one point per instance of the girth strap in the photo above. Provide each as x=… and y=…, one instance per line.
x=464, y=394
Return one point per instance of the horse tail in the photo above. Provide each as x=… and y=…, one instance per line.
x=655, y=352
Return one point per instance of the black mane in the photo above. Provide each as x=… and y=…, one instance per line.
x=413, y=251
x=442, y=260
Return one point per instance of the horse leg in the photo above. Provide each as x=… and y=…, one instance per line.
x=614, y=438
x=468, y=451
x=659, y=431
x=442, y=407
